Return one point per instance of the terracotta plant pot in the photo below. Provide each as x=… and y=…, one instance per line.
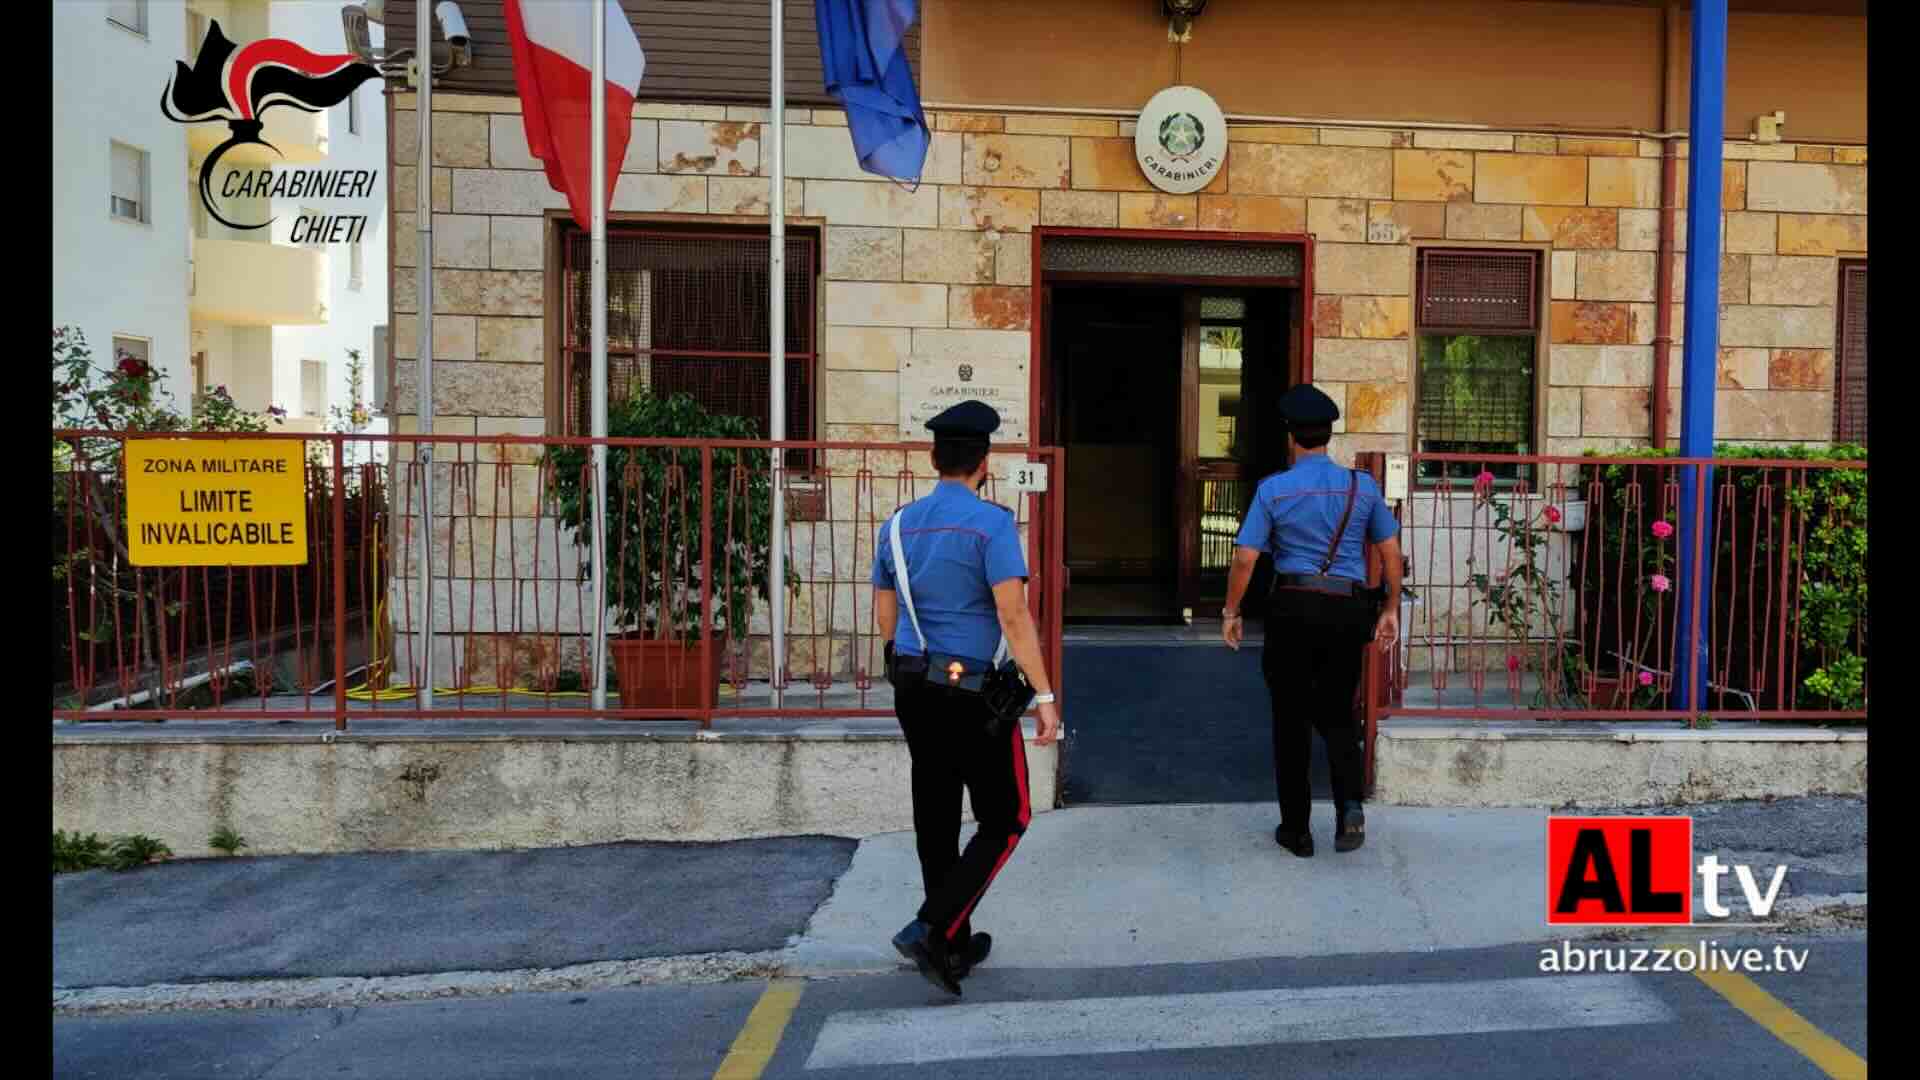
x=663, y=673
x=1608, y=692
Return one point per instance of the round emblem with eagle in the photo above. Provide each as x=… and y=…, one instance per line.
x=1181, y=134
x=1181, y=140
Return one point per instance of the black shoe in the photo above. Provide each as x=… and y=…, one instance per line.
x=978, y=946
x=1352, y=831
x=1300, y=843
x=928, y=951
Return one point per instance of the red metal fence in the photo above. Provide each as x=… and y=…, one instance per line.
x=510, y=617
x=1549, y=588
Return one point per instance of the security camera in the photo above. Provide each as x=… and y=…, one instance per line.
x=353, y=20
x=452, y=24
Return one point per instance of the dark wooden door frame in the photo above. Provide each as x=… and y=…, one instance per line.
x=1040, y=369
x=1186, y=458
x=1043, y=380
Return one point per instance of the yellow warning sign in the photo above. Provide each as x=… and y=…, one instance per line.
x=240, y=502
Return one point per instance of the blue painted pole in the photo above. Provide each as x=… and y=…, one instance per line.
x=1701, y=348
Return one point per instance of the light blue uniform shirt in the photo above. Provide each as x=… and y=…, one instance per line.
x=1295, y=512
x=958, y=547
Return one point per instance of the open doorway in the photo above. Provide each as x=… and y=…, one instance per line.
x=1117, y=376
x=1163, y=397
x=1160, y=359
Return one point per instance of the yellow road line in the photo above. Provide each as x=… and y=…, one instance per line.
x=757, y=1041
x=1828, y=1054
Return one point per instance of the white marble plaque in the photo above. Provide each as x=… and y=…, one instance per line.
x=930, y=386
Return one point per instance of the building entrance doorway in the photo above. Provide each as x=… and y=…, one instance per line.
x=1164, y=400
x=1159, y=358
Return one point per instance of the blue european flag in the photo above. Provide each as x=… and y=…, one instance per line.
x=862, y=49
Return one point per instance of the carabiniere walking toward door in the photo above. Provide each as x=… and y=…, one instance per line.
x=950, y=580
x=1320, y=615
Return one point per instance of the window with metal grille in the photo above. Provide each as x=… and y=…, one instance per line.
x=1477, y=323
x=1850, y=380
x=687, y=313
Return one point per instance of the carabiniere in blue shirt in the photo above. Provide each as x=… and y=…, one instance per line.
x=1294, y=513
x=958, y=547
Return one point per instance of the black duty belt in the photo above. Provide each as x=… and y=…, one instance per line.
x=1320, y=583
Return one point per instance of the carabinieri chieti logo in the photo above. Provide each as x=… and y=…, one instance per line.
x=240, y=83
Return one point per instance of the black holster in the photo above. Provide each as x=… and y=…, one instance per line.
x=1003, y=693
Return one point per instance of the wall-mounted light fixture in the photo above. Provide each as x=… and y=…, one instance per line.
x=1180, y=16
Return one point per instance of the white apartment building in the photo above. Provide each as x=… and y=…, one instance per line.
x=140, y=265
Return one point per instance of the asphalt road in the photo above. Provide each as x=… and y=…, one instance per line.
x=1484, y=1013
x=401, y=913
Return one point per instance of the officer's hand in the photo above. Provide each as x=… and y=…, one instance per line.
x=1230, y=631
x=1049, y=724
x=1387, y=630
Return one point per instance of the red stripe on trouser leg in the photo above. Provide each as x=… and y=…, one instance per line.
x=1020, y=774
x=1021, y=818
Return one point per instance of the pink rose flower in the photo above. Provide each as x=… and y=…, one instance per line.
x=1646, y=678
x=1513, y=662
x=1483, y=482
x=1662, y=530
x=1660, y=583
x=1553, y=515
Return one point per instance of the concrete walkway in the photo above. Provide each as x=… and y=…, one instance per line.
x=1126, y=886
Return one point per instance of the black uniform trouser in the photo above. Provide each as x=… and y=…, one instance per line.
x=947, y=737
x=1314, y=647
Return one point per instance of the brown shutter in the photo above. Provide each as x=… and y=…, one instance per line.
x=697, y=50
x=1478, y=290
x=1850, y=380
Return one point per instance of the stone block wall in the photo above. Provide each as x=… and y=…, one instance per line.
x=943, y=272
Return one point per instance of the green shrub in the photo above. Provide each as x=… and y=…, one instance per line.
x=226, y=841
x=73, y=853
x=137, y=850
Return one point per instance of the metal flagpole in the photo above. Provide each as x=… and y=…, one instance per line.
x=599, y=305
x=423, y=452
x=777, y=345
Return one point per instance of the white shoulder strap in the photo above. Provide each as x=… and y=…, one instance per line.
x=905, y=589
x=900, y=577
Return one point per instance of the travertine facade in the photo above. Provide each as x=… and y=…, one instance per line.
x=945, y=270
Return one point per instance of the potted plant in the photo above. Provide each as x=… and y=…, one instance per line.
x=654, y=572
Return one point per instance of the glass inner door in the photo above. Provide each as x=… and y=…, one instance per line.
x=1222, y=402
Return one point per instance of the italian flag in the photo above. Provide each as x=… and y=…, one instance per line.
x=553, y=67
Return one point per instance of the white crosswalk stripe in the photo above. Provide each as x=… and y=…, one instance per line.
x=1112, y=1025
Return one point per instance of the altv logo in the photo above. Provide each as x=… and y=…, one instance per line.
x=1640, y=871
